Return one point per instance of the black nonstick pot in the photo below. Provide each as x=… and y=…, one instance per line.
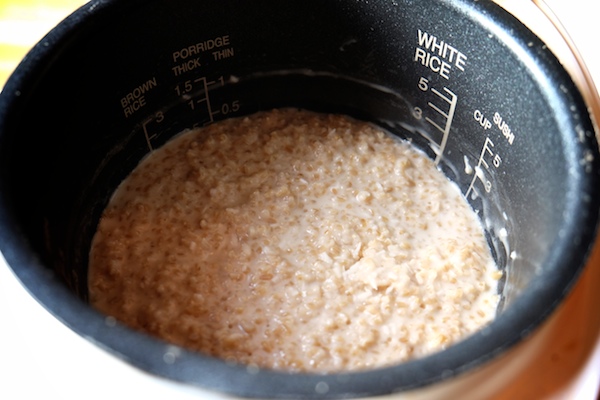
x=463, y=80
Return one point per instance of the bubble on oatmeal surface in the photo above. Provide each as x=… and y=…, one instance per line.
x=294, y=240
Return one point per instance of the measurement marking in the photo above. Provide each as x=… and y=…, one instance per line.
x=148, y=137
x=452, y=100
x=206, y=99
x=478, y=170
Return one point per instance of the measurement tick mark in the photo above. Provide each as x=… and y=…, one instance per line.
x=451, y=100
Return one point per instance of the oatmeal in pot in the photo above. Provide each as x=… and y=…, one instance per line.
x=297, y=241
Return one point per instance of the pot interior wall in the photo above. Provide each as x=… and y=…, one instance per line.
x=101, y=107
x=127, y=80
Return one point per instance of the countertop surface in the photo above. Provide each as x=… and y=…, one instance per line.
x=61, y=370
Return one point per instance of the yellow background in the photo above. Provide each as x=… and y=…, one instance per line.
x=23, y=23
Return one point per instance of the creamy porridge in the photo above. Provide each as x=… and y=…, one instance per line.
x=296, y=241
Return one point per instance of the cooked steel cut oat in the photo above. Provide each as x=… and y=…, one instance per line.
x=297, y=241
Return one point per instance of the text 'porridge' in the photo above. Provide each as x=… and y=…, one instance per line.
x=297, y=241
